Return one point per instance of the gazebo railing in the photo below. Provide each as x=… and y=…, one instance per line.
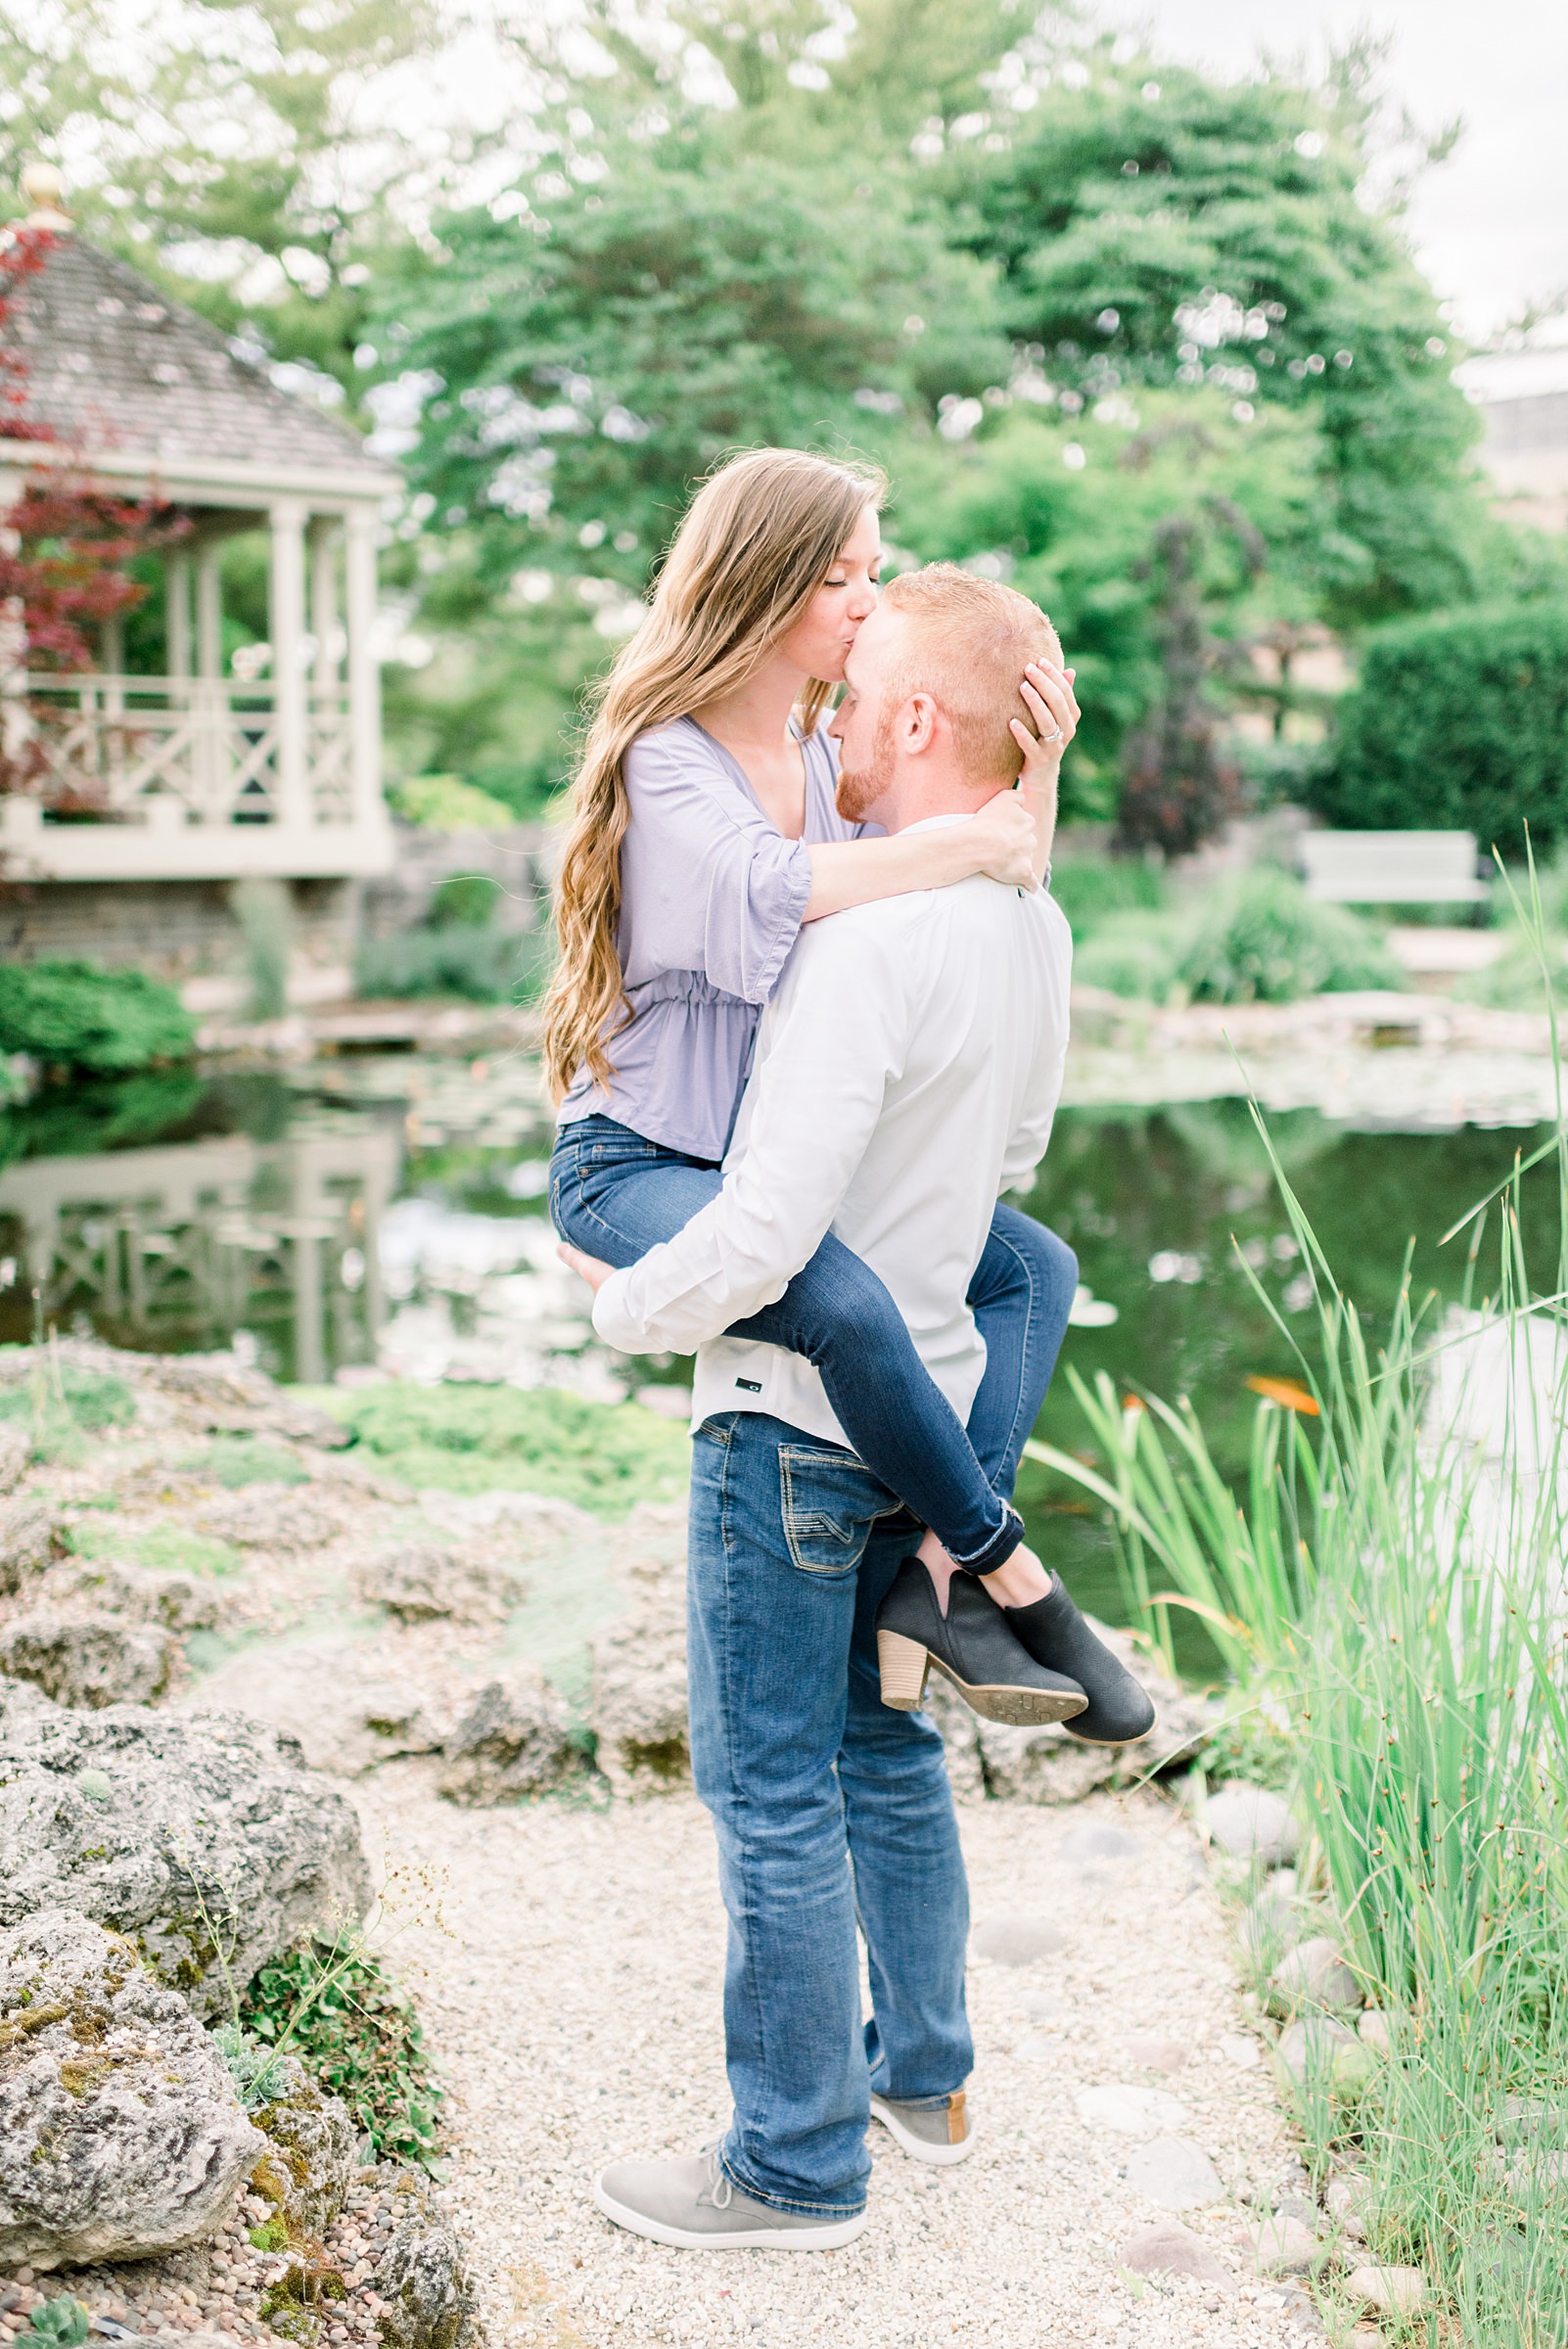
x=181, y=750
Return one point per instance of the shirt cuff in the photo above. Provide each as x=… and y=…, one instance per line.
x=610, y=1318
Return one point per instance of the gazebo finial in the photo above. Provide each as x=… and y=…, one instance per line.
x=44, y=189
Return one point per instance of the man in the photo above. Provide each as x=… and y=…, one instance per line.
x=907, y=1069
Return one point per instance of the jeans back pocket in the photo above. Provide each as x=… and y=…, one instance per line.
x=830, y=1501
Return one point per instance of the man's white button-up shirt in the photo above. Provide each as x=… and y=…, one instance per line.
x=907, y=1071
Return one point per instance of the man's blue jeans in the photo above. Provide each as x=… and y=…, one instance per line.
x=615, y=1194
x=828, y=1808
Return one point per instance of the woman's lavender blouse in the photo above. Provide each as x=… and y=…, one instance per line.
x=710, y=903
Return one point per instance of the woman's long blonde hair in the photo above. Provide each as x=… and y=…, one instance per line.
x=759, y=539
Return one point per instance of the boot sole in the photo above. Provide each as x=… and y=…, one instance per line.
x=815, y=2235
x=921, y=2148
x=904, y=1665
x=1083, y=1739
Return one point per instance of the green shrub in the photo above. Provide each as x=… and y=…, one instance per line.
x=484, y=966
x=446, y=803
x=1262, y=940
x=75, y=1015
x=357, y=2032
x=1458, y=725
x=603, y=1456
x=465, y=901
x=1093, y=889
x=1258, y=939
x=1131, y=955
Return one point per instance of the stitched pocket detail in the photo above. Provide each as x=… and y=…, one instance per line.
x=829, y=1501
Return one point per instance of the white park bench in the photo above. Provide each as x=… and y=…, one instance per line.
x=1392, y=868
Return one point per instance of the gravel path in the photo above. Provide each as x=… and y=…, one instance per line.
x=573, y=2001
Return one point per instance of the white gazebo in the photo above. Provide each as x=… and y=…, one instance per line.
x=198, y=775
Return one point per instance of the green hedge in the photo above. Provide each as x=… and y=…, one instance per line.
x=75, y=1015
x=1458, y=725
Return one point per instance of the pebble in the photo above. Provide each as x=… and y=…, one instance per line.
x=1094, y=1842
x=1315, y=1975
x=1172, y=2249
x=1250, y=1824
x=1176, y=2174
x=1238, y=2049
x=1392, y=2291
x=1282, y=2247
x=1130, y=2110
x=1014, y=1939
x=1159, y=2053
x=1323, y=2053
x=1372, y=2029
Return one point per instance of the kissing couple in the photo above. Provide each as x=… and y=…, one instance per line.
x=810, y=1020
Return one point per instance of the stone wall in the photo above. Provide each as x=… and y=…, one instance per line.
x=183, y=930
x=520, y=861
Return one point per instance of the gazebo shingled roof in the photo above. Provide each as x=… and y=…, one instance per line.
x=114, y=365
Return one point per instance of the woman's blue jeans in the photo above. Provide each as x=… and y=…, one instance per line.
x=614, y=1195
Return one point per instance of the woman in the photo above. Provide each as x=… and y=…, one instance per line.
x=703, y=835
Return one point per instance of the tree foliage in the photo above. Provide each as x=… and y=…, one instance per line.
x=965, y=238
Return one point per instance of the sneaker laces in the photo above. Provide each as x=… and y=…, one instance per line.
x=719, y=2191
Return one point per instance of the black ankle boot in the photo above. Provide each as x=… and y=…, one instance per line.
x=972, y=1645
x=1119, y=1711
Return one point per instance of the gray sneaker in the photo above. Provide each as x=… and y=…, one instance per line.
x=939, y=2133
x=690, y=2200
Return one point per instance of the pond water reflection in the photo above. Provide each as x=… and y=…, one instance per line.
x=385, y=1213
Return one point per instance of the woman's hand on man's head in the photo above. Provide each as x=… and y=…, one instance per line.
x=1048, y=696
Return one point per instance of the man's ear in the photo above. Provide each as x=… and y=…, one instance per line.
x=918, y=723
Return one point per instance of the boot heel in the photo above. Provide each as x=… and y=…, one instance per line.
x=904, y=1665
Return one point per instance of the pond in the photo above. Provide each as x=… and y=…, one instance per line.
x=351, y=1218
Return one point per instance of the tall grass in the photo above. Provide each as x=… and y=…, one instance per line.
x=1393, y=1581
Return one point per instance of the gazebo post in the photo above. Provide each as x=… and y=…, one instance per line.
x=287, y=516
x=324, y=597
x=178, y=614
x=208, y=611
x=364, y=681
x=210, y=747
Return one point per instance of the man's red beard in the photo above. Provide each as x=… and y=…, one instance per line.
x=860, y=787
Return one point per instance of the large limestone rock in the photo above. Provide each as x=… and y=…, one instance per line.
x=91, y=1660
x=347, y=1706
x=423, y=1582
x=639, y=1664
x=310, y=2163
x=121, y=2133
x=26, y=1542
x=423, y=2279
x=180, y=1602
x=1048, y=1764
x=514, y=1741
x=271, y=1517
x=225, y=1394
x=175, y=1830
